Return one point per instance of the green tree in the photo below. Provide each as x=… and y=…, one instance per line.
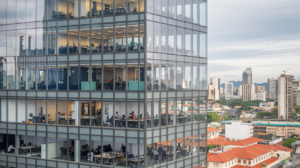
x=297, y=109
x=288, y=142
x=226, y=116
x=212, y=117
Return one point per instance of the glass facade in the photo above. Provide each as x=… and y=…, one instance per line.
x=79, y=78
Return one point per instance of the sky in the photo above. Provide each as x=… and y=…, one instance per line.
x=261, y=34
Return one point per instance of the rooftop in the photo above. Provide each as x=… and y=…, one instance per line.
x=209, y=129
x=271, y=160
x=249, y=152
x=243, y=142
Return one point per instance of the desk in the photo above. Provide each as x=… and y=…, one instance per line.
x=28, y=147
x=135, y=161
x=38, y=119
x=183, y=119
x=109, y=159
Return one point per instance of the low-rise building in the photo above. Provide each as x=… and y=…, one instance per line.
x=238, y=130
x=280, y=129
x=254, y=156
x=212, y=133
x=248, y=115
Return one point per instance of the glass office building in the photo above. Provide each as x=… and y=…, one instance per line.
x=103, y=83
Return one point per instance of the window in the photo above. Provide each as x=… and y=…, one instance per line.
x=215, y=164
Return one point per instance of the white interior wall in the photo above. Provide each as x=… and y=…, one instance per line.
x=132, y=106
x=120, y=107
x=108, y=109
x=62, y=106
x=11, y=110
x=149, y=108
x=30, y=108
x=21, y=110
x=3, y=110
x=156, y=108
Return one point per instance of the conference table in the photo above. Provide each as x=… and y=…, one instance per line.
x=28, y=147
x=108, y=157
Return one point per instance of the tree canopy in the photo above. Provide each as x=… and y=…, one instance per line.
x=288, y=142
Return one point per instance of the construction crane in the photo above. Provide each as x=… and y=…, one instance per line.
x=284, y=71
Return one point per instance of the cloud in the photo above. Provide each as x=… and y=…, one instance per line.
x=263, y=35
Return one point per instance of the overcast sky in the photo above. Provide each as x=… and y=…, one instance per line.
x=261, y=34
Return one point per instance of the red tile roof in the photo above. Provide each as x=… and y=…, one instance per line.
x=209, y=129
x=243, y=142
x=249, y=152
x=267, y=162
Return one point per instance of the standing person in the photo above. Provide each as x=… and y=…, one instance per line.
x=123, y=149
x=10, y=149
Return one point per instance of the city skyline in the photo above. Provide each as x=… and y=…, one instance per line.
x=264, y=35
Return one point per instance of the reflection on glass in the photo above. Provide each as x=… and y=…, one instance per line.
x=195, y=77
x=52, y=76
x=30, y=76
x=21, y=8
x=195, y=43
x=21, y=76
x=85, y=39
x=11, y=76
x=172, y=9
x=51, y=39
x=31, y=10
x=157, y=7
x=3, y=73
x=96, y=8
x=51, y=11
x=157, y=37
x=171, y=75
x=62, y=40
x=150, y=36
x=41, y=41
x=108, y=80
x=150, y=6
x=11, y=43
x=21, y=41
x=96, y=38
x=41, y=10
x=30, y=44
x=120, y=37
x=149, y=74
x=108, y=6
x=203, y=45
x=108, y=38
x=141, y=77
x=203, y=12
x=188, y=42
x=203, y=77
x=41, y=76
x=132, y=40
x=187, y=76
x=179, y=76
x=164, y=75
x=21, y=116
x=11, y=13
x=180, y=40
x=196, y=11
x=164, y=113
x=156, y=75
x=164, y=34
x=73, y=40
x=180, y=10
x=188, y=10
x=171, y=39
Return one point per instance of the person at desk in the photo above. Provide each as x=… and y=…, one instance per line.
x=84, y=151
x=134, y=9
x=132, y=116
x=123, y=149
x=11, y=149
x=119, y=80
x=180, y=114
x=141, y=117
x=29, y=144
x=117, y=116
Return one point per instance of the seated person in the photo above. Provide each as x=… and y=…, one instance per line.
x=180, y=114
x=10, y=149
x=29, y=144
x=117, y=116
x=141, y=117
x=119, y=80
x=132, y=116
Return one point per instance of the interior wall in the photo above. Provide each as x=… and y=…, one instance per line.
x=52, y=109
x=62, y=106
x=120, y=107
x=3, y=110
x=132, y=106
x=12, y=110
x=107, y=110
x=21, y=110
x=120, y=72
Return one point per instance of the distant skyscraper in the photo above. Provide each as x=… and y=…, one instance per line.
x=296, y=93
x=247, y=76
x=248, y=92
x=228, y=89
x=248, y=89
x=259, y=88
x=272, y=88
x=285, y=95
x=214, y=89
